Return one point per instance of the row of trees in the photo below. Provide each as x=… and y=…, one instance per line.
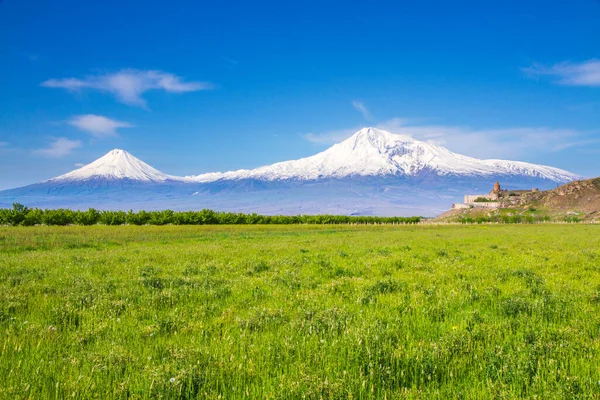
x=20, y=215
x=506, y=219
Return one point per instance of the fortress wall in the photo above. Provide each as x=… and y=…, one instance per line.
x=470, y=198
x=494, y=204
x=458, y=206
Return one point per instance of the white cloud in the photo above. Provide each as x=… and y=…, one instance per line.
x=361, y=108
x=128, y=85
x=230, y=60
x=514, y=142
x=60, y=147
x=78, y=165
x=330, y=137
x=32, y=56
x=3, y=144
x=586, y=73
x=97, y=125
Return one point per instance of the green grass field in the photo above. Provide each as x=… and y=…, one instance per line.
x=286, y=312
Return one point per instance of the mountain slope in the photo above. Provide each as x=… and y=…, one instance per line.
x=375, y=152
x=575, y=198
x=373, y=172
x=115, y=165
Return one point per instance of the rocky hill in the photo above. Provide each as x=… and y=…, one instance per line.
x=575, y=201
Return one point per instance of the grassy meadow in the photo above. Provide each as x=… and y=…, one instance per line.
x=291, y=312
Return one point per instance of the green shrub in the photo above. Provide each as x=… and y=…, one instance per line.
x=21, y=215
x=89, y=217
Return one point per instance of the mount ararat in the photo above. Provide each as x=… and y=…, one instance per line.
x=374, y=172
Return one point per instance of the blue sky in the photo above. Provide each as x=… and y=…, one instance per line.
x=195, y=87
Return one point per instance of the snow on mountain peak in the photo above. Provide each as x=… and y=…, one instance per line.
x=399, y=175
x=376, y=152
x=369, y=152
x=377, y=137
x=114, y=165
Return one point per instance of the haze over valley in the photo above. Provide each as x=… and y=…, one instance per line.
x=373, y=172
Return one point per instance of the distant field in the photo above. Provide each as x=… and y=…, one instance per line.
x=286, y=312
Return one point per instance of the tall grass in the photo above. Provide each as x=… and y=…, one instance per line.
x=362, y=312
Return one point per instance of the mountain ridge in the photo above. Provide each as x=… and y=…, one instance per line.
x=377, y=152
x=373, y=172
x=369, y=152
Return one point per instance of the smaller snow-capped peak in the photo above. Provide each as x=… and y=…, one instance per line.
x=116, y=165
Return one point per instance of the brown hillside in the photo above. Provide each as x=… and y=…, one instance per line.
x=578, y=198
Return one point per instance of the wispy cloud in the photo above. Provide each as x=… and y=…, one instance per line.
x=361, y=108
x=230, y=60
x=97, y=125
x=128, y=85
x=59, y=147
x=78, y=165
x=586, y=73
x=514, y=142
x=6, y=148
x=330, y=137
x=32, y=56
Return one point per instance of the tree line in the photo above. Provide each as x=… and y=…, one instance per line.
x=20, y=215
x=512, y=219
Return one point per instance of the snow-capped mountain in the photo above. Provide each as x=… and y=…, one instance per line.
x=373, y=172
x=115, y=165
x=375, y=152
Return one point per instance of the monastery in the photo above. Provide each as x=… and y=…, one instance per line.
x=493, y=199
